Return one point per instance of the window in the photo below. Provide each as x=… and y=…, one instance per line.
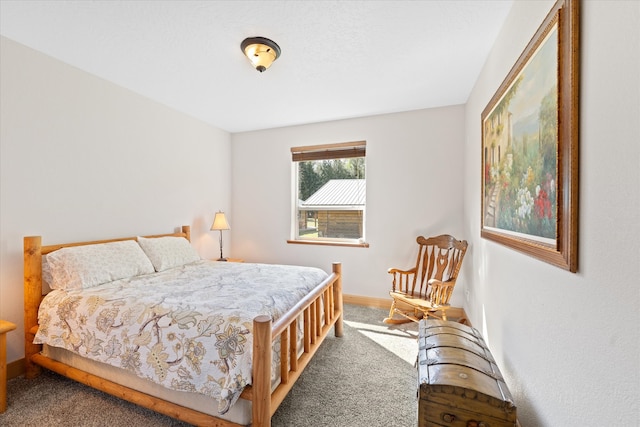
x=329, y=193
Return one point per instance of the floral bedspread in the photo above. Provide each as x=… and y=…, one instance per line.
x=187, y=328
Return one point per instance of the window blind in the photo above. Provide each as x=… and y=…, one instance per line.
x=341, y=150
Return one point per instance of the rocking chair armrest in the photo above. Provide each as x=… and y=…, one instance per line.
x=440, y=284
x=399, y=271
x=401, y=279
x=440, y=292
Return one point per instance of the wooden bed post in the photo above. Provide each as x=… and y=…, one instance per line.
x=32, y=297
x=261, y=405
x=337, y=295
x=186, y=229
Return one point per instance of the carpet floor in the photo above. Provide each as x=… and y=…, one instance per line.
x=366, y=378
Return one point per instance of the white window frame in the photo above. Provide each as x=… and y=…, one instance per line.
x=342, y=150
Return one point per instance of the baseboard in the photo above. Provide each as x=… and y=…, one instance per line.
x=454, y=313
x=367, y=301
x=15, y=368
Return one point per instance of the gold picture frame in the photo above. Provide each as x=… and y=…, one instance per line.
x=530, y=146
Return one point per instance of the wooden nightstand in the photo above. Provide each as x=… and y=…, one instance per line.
x=235, y=260
x=4, y=328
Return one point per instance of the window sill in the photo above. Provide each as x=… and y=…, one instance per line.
x=325, y=243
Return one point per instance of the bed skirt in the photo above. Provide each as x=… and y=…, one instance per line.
x=239, y=413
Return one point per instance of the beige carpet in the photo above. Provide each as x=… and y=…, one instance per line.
x=366, y=378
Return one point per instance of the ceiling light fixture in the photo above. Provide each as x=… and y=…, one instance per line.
x=260, y=51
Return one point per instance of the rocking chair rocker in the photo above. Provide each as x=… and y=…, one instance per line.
x=425, y=289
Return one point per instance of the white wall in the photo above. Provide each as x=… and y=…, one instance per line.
x=83, y=159
x=414, y=181
x=72, y=168
x=569, y=344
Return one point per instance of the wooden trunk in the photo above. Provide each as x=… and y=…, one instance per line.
x=460, y=384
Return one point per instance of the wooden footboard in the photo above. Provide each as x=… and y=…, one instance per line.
x=321, y=310
x=328, y=297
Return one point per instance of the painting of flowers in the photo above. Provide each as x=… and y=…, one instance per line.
x=530, y=146
x=520, y=150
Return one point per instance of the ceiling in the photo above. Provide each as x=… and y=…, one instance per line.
x=340, y=59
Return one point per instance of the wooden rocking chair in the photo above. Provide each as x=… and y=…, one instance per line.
x=426, y=289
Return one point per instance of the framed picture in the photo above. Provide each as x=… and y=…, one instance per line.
x=530, y=146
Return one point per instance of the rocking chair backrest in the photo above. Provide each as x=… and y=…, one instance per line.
x=438, y=258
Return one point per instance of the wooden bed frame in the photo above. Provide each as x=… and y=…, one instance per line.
x=327, y=296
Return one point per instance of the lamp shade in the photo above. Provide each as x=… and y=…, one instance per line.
x=260, y=51
x=220, y=222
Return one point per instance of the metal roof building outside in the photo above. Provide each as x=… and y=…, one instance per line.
x=338, y=194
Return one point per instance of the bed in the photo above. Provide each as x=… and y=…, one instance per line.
x=283, y=331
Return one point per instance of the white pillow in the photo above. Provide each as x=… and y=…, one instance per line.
x=47, y=279
x=168, y=252
x=87, y=266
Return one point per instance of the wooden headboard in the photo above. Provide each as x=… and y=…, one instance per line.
x=33, y=252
